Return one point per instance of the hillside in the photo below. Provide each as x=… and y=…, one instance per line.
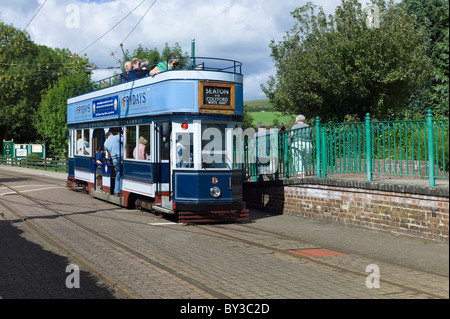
x=262, y=111
x=258, y=105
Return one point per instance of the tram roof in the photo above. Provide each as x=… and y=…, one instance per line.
x=174, y=91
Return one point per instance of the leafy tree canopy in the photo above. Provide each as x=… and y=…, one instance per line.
x=340, y=65
x=26, y=72
x=51, y=118
x=434, y=16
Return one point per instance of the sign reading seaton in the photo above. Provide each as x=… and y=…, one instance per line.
x=217, y=96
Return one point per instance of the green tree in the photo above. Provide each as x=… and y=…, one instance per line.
x=51, y=118
x=338, y=65
x=248, y=119
x=26, y=72
x=434, y=16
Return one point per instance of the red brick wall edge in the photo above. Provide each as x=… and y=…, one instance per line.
x=399, y=209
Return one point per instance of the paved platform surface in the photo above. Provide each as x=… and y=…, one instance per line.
x=260, y=259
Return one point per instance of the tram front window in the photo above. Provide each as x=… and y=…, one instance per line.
x=214, y=146
x=184, y=150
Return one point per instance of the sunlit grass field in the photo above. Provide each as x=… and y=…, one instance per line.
x=268, y=117
x=262, y=111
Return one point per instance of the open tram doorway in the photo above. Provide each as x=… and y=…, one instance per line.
x=109, y=170
x=99, y=156
x=162, y=172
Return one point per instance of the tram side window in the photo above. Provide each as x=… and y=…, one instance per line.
x=71, y=144
x=130, y=145
x=165, y=141
x=214, y=146
x=82, y=146
x=142, y=152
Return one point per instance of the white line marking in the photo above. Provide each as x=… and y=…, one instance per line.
x=31, y=190
x=41, y=189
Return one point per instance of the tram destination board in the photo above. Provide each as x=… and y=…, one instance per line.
x=215, y=95
x=218, y=96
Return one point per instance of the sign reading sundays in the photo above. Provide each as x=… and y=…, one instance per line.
x=105, y=107
x=110, y=107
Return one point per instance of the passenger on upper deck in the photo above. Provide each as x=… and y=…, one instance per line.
x=164, y=66
x=124, y=76
x=137, y=71
x=144, y=65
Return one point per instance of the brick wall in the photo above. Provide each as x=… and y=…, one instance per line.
x=401, y=209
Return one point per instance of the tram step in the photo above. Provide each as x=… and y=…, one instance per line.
x=162, y=209
x=213, y=217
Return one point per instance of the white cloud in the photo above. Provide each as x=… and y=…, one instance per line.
x=233, y=29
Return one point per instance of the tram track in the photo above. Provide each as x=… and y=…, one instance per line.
x=91, y=269
x=240, y=233
x=248, y=226
x=216, y=231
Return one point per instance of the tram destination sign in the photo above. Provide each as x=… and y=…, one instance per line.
x=216, y=96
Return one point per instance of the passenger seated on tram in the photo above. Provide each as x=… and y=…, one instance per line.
x=145, y=67
x=141, y=150
x=136, y=70
x=99, y=159
x=124, y=76
x=83, y=146
x=165, y=66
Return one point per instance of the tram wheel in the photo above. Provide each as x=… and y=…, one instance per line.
x=138, y=203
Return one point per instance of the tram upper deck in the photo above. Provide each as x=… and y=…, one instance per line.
x=215, y=91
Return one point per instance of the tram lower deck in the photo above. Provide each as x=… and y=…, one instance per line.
x=177, y=146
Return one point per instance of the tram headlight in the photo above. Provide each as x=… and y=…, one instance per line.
x=215, y=192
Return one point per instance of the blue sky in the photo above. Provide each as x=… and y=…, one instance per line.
x=232, y=29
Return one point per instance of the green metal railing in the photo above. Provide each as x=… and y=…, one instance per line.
x=413, y=148
x=56, y=165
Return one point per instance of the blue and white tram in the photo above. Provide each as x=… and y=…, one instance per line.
x=180, y=130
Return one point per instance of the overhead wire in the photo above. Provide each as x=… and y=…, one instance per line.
x=38, y=77
x=37, y=49
x=121, y=43
x=111, y=28
x=35, y=15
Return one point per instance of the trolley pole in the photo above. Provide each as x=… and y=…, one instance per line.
x=193, y=53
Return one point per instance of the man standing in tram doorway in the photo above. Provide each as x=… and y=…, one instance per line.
x=112, y=145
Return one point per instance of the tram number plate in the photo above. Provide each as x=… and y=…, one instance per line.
x=213, y=95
